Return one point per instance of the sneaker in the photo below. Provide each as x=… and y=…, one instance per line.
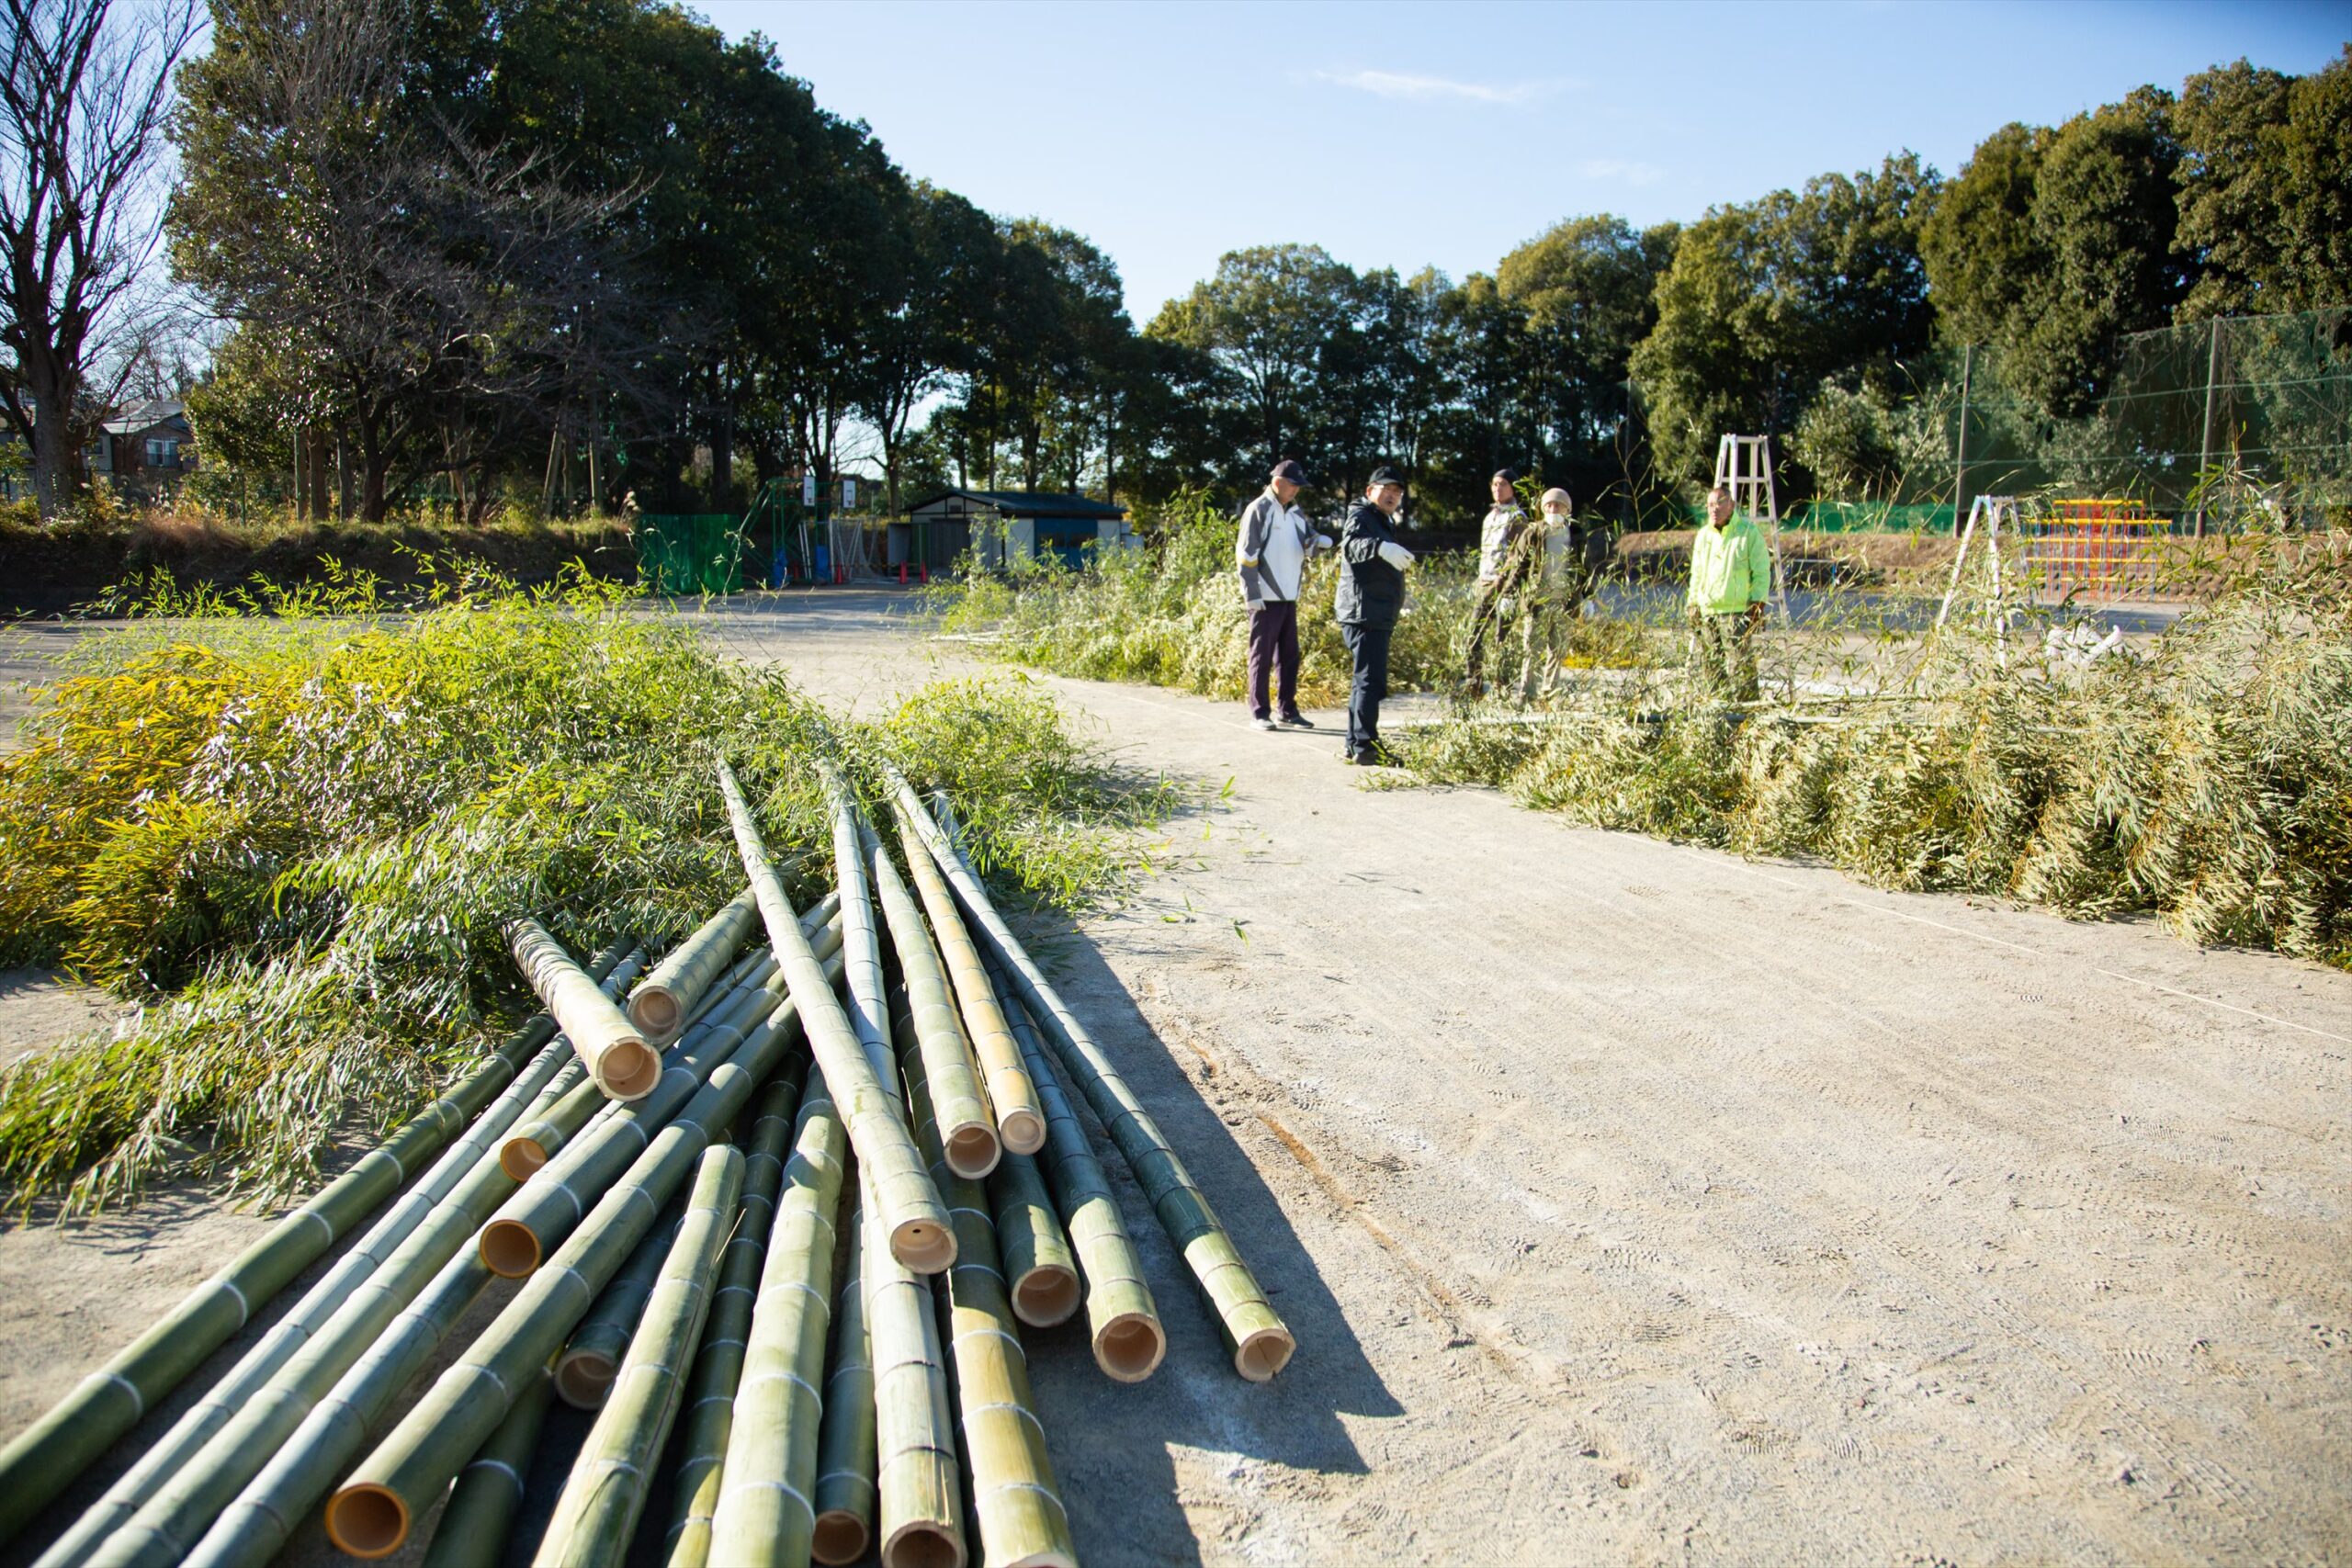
x=1298, y=721
x=1266, y=724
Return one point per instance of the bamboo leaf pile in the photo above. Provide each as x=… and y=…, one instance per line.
x=789, y=1259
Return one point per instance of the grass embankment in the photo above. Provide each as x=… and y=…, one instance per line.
x=57, y=567
x=2205, y=779
x=296, y=839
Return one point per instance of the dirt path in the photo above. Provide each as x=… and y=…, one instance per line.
x=1636, y=1203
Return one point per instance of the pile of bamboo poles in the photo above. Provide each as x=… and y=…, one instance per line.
x=781, y=1215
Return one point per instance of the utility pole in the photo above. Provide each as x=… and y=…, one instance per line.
x=2205, y=447
x=1960, y=465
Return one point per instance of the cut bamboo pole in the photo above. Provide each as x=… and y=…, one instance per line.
x=1122, y=1320
x=589, y=1361
x=371, y=1514
x=919, y=1487
x=596, y=1515
x=764, y=1516
x=480, y=1510
x=517, y=1237
x=1012, y=1096
x=718, y=1367
x=172, y=1514
x=661, y=1005
x=844, y=1499
x=968, y=1123
x=618, y=1058
x=545, y=1132
x=911, y=1216
x=308, y=1318
x=1016, y=1506
x=45, y=1457
x=1039, y=1270
x=1255, y=1335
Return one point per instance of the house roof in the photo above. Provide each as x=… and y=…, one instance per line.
x=147, y=415
x=1028, y=503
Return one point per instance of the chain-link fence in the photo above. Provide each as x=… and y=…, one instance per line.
x=2222, y=426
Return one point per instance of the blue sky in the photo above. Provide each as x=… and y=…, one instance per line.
x=1407, y=134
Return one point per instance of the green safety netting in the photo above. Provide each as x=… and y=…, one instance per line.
x=695, y=552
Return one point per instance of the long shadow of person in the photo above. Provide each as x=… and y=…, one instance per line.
x=1115, y=1446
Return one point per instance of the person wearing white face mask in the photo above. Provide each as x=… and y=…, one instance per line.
x=1271, y=549
x=1371, y=596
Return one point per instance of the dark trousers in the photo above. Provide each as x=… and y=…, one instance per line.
x=1368, y=646
x=1274, y=642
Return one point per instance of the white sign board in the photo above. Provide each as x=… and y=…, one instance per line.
x=808, y=489
x=849, y=493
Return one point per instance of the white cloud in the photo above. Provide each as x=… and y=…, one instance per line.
x=1631, y=171
x=1398, y=84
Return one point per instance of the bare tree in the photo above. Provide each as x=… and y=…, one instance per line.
x=82, y=102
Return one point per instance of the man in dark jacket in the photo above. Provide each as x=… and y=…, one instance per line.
x=1371, y=596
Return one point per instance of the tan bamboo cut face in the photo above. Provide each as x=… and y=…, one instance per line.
x=616, y=1054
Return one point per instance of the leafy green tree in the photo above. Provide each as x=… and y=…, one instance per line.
x=2266, y=188
x=1265, y=316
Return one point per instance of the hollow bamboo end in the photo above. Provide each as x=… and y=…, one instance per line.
x=367, y=1520
x=1047, y=1296
x=1129, y=1348
x=508, y=1249
x=585, y=1379
x=972, y=1150
x=628, y=1070
x=1023, y=1132
x=1264, y=1353
x=841, y=1537
x=656, y=1009
x=924, y=1247
x=922, y=1546
x=520, y=1158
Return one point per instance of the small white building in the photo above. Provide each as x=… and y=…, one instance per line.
x=1002, y=524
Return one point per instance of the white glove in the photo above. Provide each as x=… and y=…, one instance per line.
x=1323, y=541
x=1397, y=555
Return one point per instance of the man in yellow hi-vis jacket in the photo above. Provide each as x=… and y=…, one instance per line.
x=1731, y=579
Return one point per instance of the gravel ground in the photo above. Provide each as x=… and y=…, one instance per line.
x=1631, y=1202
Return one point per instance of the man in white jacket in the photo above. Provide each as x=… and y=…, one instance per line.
x=1271, y=551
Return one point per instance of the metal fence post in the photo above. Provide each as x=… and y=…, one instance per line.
x=1960, y=455
x=2205, y=447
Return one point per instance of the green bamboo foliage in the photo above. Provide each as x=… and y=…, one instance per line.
x=319, y=1306
x=371, y=1514
x=1039, y=1270
x=844, y=1499
x=596, y=1515
x=589, y=1361
x=1019, y=1119
x=764, y=1514
x=968, y=1124
x=1122, y=1320
x=662, y=1005
x=480, y=1510
x=1016, y=1506
x=1254, y=1333
x=718, y=1367
x=919, y=1486
x=911, y=1217
x=618, y=1057
x=41, y=1460
x=516, y=1238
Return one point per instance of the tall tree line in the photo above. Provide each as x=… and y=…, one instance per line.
x=449, y=237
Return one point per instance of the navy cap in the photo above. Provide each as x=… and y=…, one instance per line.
x=1509, y=476
x=1288, y=470
x=1384, y=475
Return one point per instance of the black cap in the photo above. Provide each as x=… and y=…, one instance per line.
x=1289, y=470
x=1508, y=475
x=1384, y=475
